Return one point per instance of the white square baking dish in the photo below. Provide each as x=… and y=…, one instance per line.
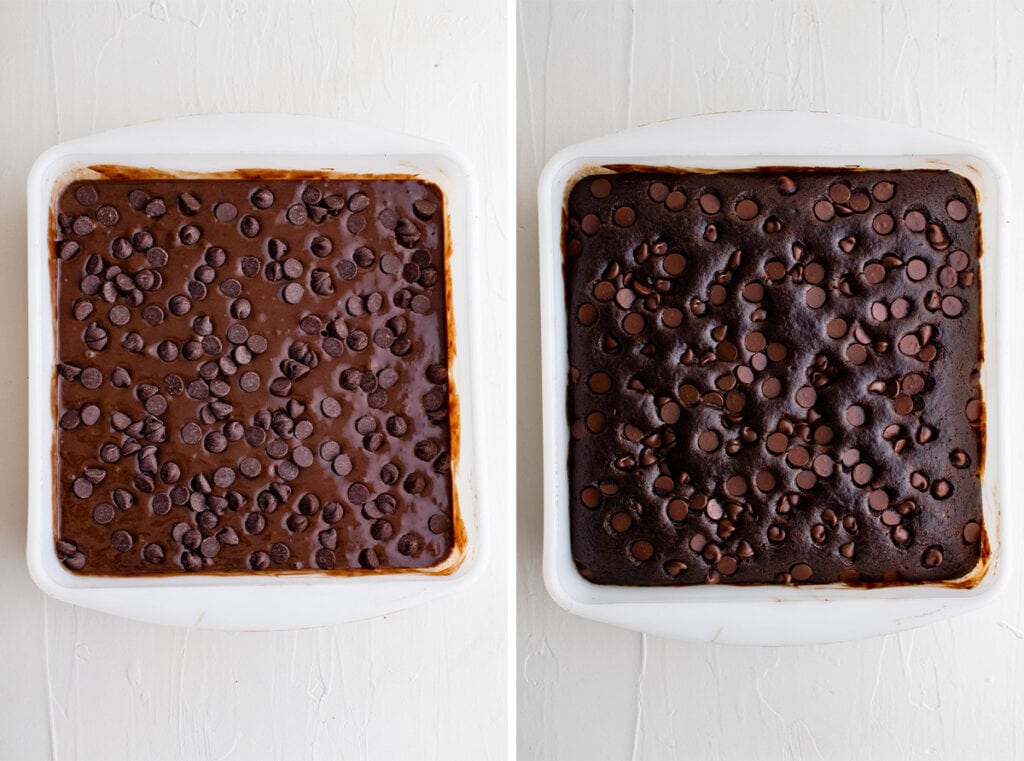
x=777, y=614
x=224, y=144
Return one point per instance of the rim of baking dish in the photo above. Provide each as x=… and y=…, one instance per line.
x=751, y=140
x=222, y=145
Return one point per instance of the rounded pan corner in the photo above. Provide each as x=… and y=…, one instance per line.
x=988, y=159
x=996, y=578
x=459, y=162
x=555, y=165
x=42, y=163
x=474, y=561
x=40, y=574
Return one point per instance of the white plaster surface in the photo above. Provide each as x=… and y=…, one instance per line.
x=591, y=692
x=426, y=683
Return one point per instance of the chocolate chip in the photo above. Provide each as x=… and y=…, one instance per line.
x=407, y=233
x=341, y=465
x=297, y=214
x=137, y=199
x=358, y=202
x=325, y=559
x=121, y=541
x=952, y=306
x=89, y=414
x=936, y=236
x=439, y=523
x=70, y=420
x=747, y=209
x=122, y=499
x=287, y=470
x=189, y=235
x=302, y=456
x=69, y=250
x=855, y=415
x=801, y=572
x=410, y=544
x=932, y=557
x=262, y=198
x=915, y=221
x=624, y=216
x=179, y=305
x=358, y=493
x=153, y=553
x=87, y=195
x=296, y=523
x=255, y=523
x=259, y=561
x=862, y=474
x=155, y=208
x=883, y=223
x=212, y=345
x=82, y=488
x=83, y=225
x=909, y=344
x=425, y=208
x=303, y=429
x=153, y=315
x=196, y=290
x=824, y=210
x=883, y=191
x=320, y=282
x=875, y=273
x=215, y=442
x=815, y=297
x=599, y=188
x=292, y=293
x=249, y=226
x=917, y=269
x=806, y=397
x=357, y=340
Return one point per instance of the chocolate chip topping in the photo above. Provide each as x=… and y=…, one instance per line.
x=207, y=339
x=794, y=402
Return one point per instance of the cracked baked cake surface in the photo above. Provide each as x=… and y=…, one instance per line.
x=774, y=377
x=252, y=377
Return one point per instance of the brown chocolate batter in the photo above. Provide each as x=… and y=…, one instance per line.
x=253, y=376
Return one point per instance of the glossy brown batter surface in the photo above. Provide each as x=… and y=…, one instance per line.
x=252, y=377
x=774, y=377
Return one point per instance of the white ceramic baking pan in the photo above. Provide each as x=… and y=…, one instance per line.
x=774, y=614
x=207, y=144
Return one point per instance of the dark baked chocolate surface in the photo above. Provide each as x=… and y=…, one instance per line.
x=252, y=376
x=774, y=377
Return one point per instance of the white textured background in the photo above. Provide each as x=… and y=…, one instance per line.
x=428, y=683
x=591, y=692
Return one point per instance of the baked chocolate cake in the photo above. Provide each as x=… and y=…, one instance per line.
x=774, y=377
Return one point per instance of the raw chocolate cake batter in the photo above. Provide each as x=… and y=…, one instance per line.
x=252, y=376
